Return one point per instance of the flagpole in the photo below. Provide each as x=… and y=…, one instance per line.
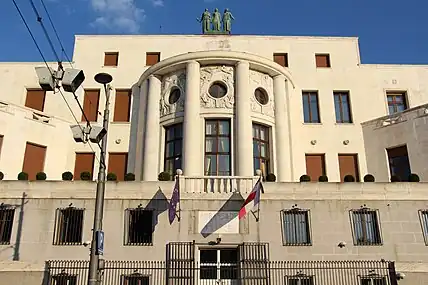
x=260, y=173
x=179, y=172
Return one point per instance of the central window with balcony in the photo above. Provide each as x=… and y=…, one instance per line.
x=261, y=149
x=173, y=148
x=217, y=148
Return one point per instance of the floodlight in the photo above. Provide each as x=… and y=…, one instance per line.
x=46, y=78
x=72, y=79
x=78, y=134
x=96, y=134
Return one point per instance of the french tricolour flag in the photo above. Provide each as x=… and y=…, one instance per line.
x=254, y=196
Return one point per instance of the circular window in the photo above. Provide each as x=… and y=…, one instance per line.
x=174, y=96
x=218, y=90
x=261, y=96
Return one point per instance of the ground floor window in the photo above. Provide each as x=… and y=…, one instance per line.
x=218, y=263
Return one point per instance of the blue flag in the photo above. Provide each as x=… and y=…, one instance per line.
x=175, y=198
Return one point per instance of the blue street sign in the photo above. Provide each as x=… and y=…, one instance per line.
x=100, y=242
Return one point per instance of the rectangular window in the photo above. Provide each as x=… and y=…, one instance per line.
x=281, y=59
x=373, y=281
x=122, y=106
x=310, y=107
x=342, y=107
x=315, y=166
x=34, y=160
x=218, y=264
x=90, y=105
x=136, y=279
x=35, y=99
x=299, y=280
x=139, y=227
x=173, y=148
x=117, y=164
x=6, y=224
x=348, y=165
x=64, y=279
x=399, y=164
x=423, y=215
x=84, y=163
x=397, y=102
x=111, y=59
x=322, y=60
x=152, y=58
x=217, y=148
x=365, y=226
x=296, y=228
x=261, y=149
x=68, y=226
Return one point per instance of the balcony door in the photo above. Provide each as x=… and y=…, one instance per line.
x=217, y=148
x=218, y=266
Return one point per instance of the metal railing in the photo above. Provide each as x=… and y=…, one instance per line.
x=244, y=272
x=218, y=184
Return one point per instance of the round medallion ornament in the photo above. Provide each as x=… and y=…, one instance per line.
x=218, y=90
x=261, y=96
x=174, y=95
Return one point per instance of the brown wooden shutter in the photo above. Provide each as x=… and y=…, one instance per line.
x=1, y=143
x=117, y=163
x=315, y=166
x=281, y=59
x=34, y=160
x=152, y=58
x=90, y=105
x=111, y=59
x=84, y=162
x=348, y=165
x=35, y=99
x=322, y=60
x=122, y=105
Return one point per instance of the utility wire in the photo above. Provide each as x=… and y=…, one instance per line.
x=49, y=68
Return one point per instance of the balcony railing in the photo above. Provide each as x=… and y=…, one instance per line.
x=217, y=184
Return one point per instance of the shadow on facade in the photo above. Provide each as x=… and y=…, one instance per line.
x=159, y=204
x=224, y=215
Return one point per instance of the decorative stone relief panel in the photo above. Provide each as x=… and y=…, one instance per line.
x=212, y=74
x=264, y=81
x=173, y=80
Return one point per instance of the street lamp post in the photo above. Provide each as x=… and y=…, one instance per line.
x=97, y=243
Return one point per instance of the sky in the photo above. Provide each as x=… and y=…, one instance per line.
x=393, y=31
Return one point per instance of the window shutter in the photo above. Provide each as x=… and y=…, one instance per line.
x=35, y=99
x=253, y=263
x=322, y=60
x=1, y=143
x=84, y=162
x=315, y=166
x=122, y=105
x=152, y=58
x=111, y=59
x=281, y=59
x=180, y=263
x=117, y=163
x=90, y=105
x=348, y=165
x=34, y=160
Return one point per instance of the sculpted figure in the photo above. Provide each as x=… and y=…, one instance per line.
x=227, y=20
x=216, y=20
x=206, y=21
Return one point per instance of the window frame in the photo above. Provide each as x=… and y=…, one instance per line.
x=393, y=94
x=217, y=154
x=259, y=142
x=373, y=277
x=288, y=279
x=174, y=141
x=149, y=54
x=111, y=53
x=379, y=238
x=284, y=56
x=293, y=212
x=58, y=227
x=423, y=218
x=341, y=112
x=218, y=264
x=6, y=224
x=391, y=157
x=307, y=100
x=127, y=222
x=140, y=278
x=328, y=60
x=70, y=279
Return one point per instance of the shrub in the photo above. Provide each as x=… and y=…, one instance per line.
x=270, y=177
x=369, y=178
x=349, y=178
x=395, y=178
x=111, y=177
x=41, y=176
x=1, y=175
x=412, y=177
x=129, y=177
x=67, y=176
x=323, y=178
x=164, y=176
x=85, y=175
x=305, y=178
x=23, y=176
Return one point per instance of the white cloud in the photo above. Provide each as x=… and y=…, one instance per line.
x=158, y=3
x=118, y=15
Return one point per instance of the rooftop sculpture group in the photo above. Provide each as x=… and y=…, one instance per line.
x=212, y=24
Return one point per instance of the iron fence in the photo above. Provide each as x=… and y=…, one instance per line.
x=69, y=272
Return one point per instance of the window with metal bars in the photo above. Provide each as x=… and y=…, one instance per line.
x=365, y=226
x=378, y=280
x=68, y=226
x=342, y=107
x=64, y=279
x=296, y=227
x=6, y=224
x=139, y=227
x=397, y=102
x=261, y=150
x=423, y=215
x=136, y=279
x=217, y=148
x=299, y=280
